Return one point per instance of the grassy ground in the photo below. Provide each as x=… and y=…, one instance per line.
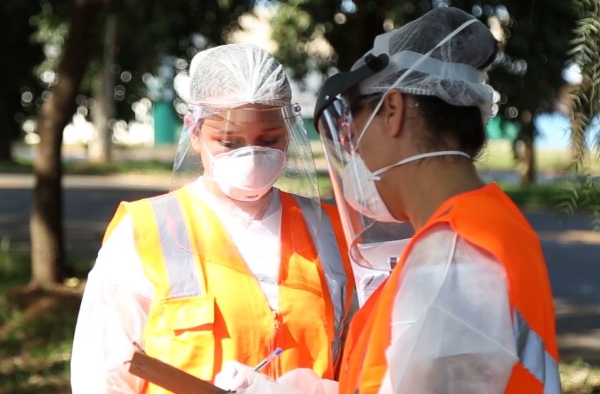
x=498, y=155
x=36, y=330
x=83, y=168
x=580, y=378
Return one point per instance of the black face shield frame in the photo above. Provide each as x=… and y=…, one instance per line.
x=342, y=83
x=371, y=244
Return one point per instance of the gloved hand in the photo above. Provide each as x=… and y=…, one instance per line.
x=307, y=381
x=236, y=376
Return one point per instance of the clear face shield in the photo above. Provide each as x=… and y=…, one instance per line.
x=372, y=244
x=235, y=162
x=378, y=244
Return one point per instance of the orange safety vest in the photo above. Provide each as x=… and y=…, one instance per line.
x=208, y=308
x=488, y=219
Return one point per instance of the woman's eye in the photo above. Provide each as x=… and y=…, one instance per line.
x=227, y=143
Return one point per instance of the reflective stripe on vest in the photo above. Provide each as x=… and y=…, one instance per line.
x=184, y=280
x=533, y=355
x=175, y=245
x=330, y=258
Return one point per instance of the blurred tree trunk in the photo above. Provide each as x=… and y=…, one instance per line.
x=5, y=133
x=46, y=223
x=363, y=26
x=100, y=147
x=528, y=172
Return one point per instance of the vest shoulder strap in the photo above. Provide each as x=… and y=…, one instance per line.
x=322, y=232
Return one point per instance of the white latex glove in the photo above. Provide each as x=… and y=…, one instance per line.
x=236, y=376
x=308, y=382
x=263, y=385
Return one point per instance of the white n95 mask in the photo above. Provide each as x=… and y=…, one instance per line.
x=248, y=173
x=361, y=192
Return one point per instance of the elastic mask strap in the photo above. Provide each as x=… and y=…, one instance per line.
x=411, y=69
x=376, y=175
x=210, y=155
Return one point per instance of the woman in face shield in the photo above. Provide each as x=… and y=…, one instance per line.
x=238, y=262
x=468, y=306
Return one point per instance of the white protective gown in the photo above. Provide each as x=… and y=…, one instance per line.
x=118, y=295
x=451, y=324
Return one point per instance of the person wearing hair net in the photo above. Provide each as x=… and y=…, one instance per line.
x=468, y=306
x=239, y=260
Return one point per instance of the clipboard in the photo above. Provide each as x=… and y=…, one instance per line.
x=169, y=377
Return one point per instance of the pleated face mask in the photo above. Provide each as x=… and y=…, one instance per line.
x=361, y=191
x=248, y=173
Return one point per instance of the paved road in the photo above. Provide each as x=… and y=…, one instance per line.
x=89, y=203
x=572, y=251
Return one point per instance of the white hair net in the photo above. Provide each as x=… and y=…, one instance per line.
x=227, y=77
x=453, y=71
x=233, y=75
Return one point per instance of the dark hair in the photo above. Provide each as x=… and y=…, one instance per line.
x=370, y=100
x=461, y=123
x=452, y=122
x=445, y=122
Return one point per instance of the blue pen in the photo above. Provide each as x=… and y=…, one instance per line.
x=267, y=360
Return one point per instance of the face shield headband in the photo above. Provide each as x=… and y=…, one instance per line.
x=341, y=85
x=373, y=244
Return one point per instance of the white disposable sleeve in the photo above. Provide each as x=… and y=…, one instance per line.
x=297, y=381
x=451, y=325
x=113, y=313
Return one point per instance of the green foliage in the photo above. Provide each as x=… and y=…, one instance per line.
x=581, y=194
x=297, y=27
x=52, y=28
x=584, y=53
x=84, y=168
x=579, y=377
x=533, y=196
x=146, y=33
x=558, y=196
x=18, y=166
x=528, y=74
x=145, y=167
x=19, y=55
x=14, y=266
x=585, y=106
x=36, y=350
x=349, y=27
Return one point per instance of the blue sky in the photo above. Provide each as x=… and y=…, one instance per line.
x=555, y=131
